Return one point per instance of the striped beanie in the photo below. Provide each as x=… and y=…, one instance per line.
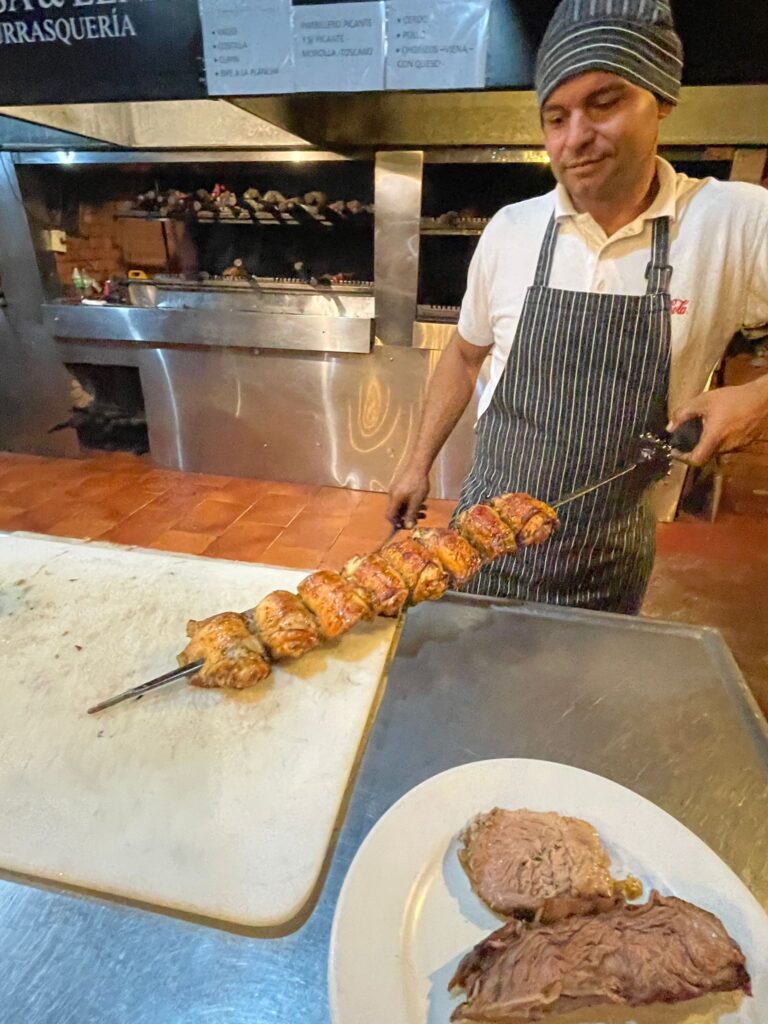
x=635, y=39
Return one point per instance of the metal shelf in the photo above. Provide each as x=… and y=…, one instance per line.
x=457, y=232
x=269, y=221
x=464, y=227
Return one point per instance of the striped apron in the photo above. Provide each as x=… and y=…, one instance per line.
x=586, y=375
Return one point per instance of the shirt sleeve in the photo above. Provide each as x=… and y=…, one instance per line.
x=756, y=308
x=475, y=318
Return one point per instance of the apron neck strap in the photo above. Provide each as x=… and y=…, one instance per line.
x=547, y=251
x=658, y=273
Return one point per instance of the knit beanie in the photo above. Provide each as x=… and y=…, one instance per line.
x=635, y=39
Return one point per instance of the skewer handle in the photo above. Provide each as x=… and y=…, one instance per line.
x=153, y=684
x=687, y=436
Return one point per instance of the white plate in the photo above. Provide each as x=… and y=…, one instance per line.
x=406, y=914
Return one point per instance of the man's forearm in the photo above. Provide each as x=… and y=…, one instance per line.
x=448, y=395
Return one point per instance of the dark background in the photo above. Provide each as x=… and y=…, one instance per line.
x=726, y=43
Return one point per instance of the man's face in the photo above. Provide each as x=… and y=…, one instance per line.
x=600, y=131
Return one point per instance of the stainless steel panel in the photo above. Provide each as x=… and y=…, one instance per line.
x=332, y=419
x=319, y=301
x=398, y=178
x=486, y=155
x=16, y=134
x=210, y=327
x=33, y=382
x=658, y=707
x=445, y=153
x=103, y=353
x=161, y=123
x=530, y=155
x=431, y=335
x=706, y=115
x=65, y=158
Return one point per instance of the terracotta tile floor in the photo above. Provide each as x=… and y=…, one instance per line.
x=709, y=574
x=121, y=498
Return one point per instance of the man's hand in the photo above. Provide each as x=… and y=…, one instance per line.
x=448, y=395
x=733, y=418
x=407, y=494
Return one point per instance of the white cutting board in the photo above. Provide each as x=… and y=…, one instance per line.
x=212, y=803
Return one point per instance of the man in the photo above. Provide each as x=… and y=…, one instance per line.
x=605, y=305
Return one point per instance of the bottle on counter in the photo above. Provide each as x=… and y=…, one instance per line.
x=78, y=282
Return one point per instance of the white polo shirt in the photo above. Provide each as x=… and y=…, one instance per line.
x=718, y=251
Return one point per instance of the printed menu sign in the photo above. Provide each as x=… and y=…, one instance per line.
x=441, y=44
x=247, y=46
x=77, y=51
x=339, y=47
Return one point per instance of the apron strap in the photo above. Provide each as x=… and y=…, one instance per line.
x=547, y=251
x=658, y=273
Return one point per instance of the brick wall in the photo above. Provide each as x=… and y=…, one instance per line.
x=95, y=248
x=106, y=247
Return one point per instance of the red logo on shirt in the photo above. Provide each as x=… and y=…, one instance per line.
x=679, y=306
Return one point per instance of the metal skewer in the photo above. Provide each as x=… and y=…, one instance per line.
x=593, y=487
x=652, y=454
x=153, y=684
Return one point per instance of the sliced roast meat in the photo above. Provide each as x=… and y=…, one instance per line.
x=522, y=863
x=663, y=951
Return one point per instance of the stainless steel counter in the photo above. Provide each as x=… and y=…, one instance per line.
x=658, y=707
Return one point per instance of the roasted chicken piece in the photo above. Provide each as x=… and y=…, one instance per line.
x=284, y=624
x=425, y=578
x=374, y=574
x=233, y=657
x=532, y=520
x=337, y=603
x=452, y=551
x=486, y=531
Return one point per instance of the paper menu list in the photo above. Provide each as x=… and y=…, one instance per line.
x=269, y=46
x=437, y=45
x=248, y=46
x=339, y=47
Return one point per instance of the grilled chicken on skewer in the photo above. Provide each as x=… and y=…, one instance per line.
x=232, y=655
x=337, y=603
x=374, y=574
x=236, y=651
x=285, y=625
x=532, y=520
x=487, y=532
x=452, y=551
x=425, y=578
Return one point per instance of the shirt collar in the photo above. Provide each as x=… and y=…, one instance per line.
x=664, y=205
